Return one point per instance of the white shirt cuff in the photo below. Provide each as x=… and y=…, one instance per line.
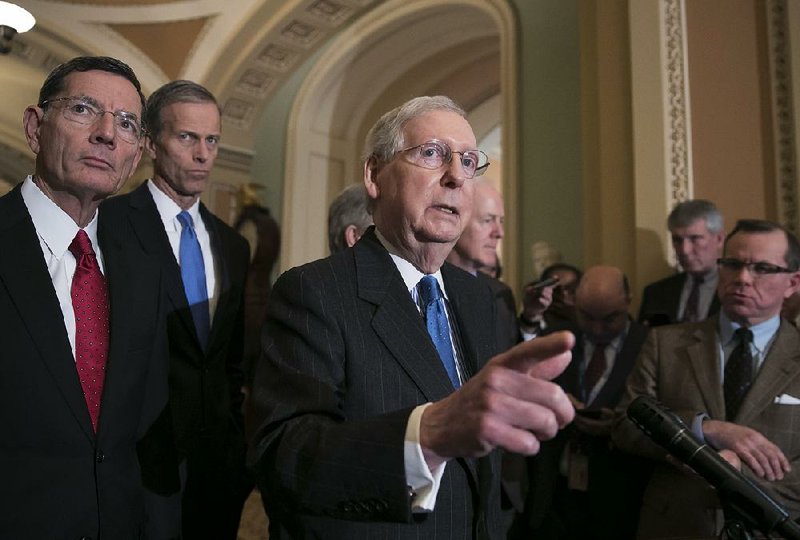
x=423, y=481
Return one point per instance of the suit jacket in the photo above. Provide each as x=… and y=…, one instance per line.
x=679, y=365
x=59, y=478
x=346, y=358
x=613, y=489
x=506, y=323
x=661, y=301
x=205, y=386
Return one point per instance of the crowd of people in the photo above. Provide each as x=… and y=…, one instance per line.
x=395, y=389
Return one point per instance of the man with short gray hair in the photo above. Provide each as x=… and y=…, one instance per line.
x=348, y=218
x=697, y=231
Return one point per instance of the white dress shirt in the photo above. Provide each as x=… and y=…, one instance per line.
x=169, y=210
x=423, y=481
x=56, y=230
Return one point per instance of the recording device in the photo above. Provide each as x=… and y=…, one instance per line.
x=541, y=284
x=744, y=497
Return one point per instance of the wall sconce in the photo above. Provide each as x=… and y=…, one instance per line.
x=13, y=20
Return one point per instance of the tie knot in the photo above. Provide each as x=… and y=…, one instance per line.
x=744, y=335
x=186, y=220
x=429, y=290
x=81, y=245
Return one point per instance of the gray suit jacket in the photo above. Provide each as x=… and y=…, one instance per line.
x=679, y=365
x=346, y=358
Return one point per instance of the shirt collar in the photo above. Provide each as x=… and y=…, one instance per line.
x=410, y=274
x=55, y=227
x=762, y=332
x=169, y=209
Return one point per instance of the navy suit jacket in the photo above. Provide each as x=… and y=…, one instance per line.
x=661, y=301
x=346, y=358
x=59, y=478
x=205, y=386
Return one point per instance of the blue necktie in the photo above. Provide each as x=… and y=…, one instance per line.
x=193, y=273
x=438, y=328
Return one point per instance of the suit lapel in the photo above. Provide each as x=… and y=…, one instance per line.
x=397, y=321
x=703, y=353
x=30, y=287
x=221, y=258
x=470, y=323
x=780, y=368
x=148, y=228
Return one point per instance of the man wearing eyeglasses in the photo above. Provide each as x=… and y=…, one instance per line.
x=83, y=363
x=734, y=378
x=379, y=406
x=205, y=262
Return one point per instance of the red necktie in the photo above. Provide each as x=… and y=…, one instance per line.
x=90, y=302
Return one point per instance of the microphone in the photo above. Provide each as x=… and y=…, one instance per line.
x=746, y=498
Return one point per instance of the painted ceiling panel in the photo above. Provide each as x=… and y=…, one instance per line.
x=168, y=44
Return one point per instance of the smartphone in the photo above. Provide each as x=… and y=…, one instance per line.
x=545, y=283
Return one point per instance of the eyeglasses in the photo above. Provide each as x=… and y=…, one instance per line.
x=435, y=154
x=755, y=268
x=82, y=111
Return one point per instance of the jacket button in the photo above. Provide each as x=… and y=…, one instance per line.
x=86, y=538
x=99, y=457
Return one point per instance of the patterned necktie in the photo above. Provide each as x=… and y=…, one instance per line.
x=691, y=312
x=738, y=374
x=438, y=327
x=90, y=302
x=595, y=370
x=193, y=273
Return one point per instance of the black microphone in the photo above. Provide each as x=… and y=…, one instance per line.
x=746, y=498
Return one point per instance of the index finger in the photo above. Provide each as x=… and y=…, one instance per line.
x=545, y=357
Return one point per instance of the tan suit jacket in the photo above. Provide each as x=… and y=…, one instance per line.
x=680, y=366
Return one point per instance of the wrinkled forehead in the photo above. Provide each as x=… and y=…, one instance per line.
x=446, y=126
x=769, y=246
x=111, y=91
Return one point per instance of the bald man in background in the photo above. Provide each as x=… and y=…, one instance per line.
x=580, y=486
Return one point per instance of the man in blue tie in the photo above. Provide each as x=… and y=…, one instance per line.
x=205, y=261
x=381, y=404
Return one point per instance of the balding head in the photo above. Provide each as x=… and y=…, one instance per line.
x=477, y=246
x=602, y=302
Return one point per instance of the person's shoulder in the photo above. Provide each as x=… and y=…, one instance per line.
x=667, y=282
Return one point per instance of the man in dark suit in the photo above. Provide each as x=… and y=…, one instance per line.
x=581, y=486
x=697, y=231
x=379, y=413
x=83, y=368
x=166, y=219
x=734, y=379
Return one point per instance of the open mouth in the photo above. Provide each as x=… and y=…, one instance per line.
x=447, y=209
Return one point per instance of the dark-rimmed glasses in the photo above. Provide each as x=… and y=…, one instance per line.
x=434, y=154
x=83, y=111
x=758, y=268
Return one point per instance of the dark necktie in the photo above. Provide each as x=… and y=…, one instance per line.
x=691, y=312
x=90, y=302
x=193, y=273
x=595, y=370
x=438, y=327
x=738, y=373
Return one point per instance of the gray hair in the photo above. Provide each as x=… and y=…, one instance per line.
x=386, y=138
x=687, y=212
x=348, y=208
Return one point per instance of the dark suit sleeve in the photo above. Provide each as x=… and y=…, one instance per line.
x=316, y=453
x=233, y=363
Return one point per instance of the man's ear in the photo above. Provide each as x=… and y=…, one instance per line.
x=351, y=235
x=371, y=177
x=794, y=284
x=150, y=147
x=31, y=122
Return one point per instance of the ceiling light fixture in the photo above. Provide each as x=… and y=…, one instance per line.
x=13, y=20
